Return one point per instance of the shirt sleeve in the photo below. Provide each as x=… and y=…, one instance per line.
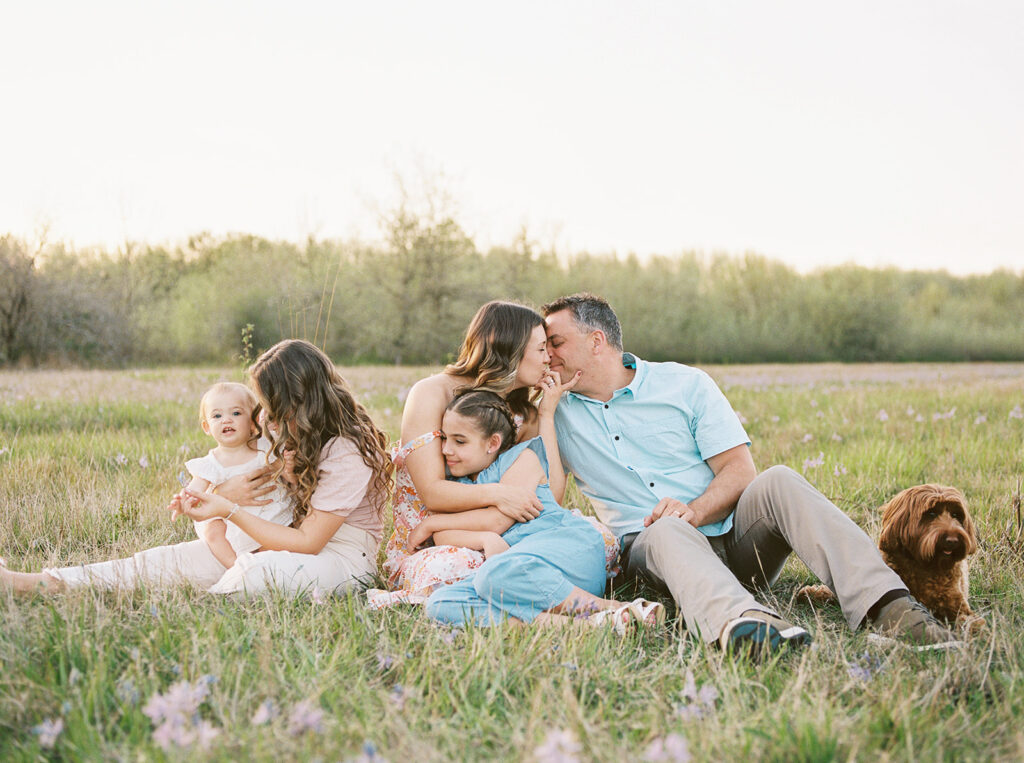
x=205, y=468
x=344, y=479
x=716, y=427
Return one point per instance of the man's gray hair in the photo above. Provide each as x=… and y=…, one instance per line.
x=589, y=312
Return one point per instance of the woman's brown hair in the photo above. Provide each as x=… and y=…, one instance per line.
x=310, y=403
x=495, y=343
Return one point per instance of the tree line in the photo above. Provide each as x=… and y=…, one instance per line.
x=214, y=299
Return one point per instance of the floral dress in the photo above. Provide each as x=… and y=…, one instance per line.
x=413, y=577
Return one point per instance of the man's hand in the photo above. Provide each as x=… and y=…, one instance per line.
x=670, y=507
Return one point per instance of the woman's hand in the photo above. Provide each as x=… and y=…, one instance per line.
x=201, y=506
x=518, y=503
x=248, y=489
x=418, y=536
x=552, y=387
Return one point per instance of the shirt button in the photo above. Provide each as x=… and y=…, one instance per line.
x=652, y=484
x=616, y=437
x=606, y=405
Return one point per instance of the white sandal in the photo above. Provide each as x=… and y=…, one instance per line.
x=621, y=618
x=648, y=613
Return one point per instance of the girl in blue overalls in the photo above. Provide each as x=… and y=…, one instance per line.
x=553, y=567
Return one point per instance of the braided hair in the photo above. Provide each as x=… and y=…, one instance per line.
x=490, y=412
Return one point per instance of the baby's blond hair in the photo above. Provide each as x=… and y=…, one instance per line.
x=219, y=387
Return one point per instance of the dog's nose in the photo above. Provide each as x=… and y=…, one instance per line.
x=951, y=543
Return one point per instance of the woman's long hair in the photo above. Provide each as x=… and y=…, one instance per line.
x=310, y=403
x=494, y=346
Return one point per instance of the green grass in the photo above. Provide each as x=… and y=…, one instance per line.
x=419, y=692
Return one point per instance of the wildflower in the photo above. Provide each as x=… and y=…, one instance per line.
x=742, y=418
x=980, y=419
x=316, y=595
x=671, y=749
x=1017, y=413
x=121, y=459
x=814, y=463
x=206, y=732
x=882, y=415
x=144, y=462
x=864, y=668
x=74, y=676
x=947, y=415
x=836, y=437
x=4, y=451
x=775, y=419
x=910, y=410
x=126, y=692
x=699, y=704
x=48, y=731
x=399, y=694
x=183, y=450
x=819, y=414
x=384, y=661
x=265, y=713
x=559, y=746
x=369, y=755
x=305, y=716
x=808, y=437
x=814, y=403
x=839, y=471
x=919, y=418
x=402, y=394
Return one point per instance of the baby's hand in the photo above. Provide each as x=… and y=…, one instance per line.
x=419, y=535
x=178, y=503
x=288, y=457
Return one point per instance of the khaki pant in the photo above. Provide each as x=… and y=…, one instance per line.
x=779, y=512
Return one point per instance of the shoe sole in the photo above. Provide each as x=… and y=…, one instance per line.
x=748, y=635
x=944, y=646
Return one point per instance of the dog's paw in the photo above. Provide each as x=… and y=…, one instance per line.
x=816, y=594
x=971, y=625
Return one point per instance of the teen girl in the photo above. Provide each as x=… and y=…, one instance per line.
x=554, y=567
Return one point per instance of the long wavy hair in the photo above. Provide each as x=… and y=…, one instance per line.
x=309, y=404
x=495, y=343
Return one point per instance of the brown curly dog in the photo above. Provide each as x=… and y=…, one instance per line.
x=927, y=535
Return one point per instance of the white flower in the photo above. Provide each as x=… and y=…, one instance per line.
x=48, y=731
x=559, y=746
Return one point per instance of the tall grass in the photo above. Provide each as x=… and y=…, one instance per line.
x=87, y=461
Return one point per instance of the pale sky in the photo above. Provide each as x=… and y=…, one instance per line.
x=815, y=133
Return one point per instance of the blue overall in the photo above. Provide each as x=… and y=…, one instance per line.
x=549, y=555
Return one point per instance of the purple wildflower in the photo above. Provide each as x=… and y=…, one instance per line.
x=265, y=713
x=305, y=716
x=48, y=731
x=1017, y=413
x=384, y=661
x=144, y=462
x=980, y=419
x=559, y=746
x=670, y=749
x=836, y=437
x=814, y=463
x=882, y=415
x=368, y=755
x=699, y=703
x=121, y=459
x=807, y=437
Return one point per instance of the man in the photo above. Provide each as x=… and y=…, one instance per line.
x=666, y=463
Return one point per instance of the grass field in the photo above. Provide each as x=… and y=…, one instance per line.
x=88, y=460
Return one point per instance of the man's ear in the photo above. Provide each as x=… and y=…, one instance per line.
x=596, y=340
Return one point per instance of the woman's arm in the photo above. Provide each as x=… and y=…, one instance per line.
x=553, y=389
x=424, y=409
x=308, y=538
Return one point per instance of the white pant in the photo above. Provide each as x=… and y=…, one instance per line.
x=348, y=559
x=191, y=562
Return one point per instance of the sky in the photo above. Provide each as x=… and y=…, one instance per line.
x=878, y=133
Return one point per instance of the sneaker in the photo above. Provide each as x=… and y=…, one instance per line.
x=909, y=620
x=758, y=633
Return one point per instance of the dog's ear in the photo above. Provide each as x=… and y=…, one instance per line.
x=896, y=520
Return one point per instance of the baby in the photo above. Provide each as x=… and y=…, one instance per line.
x=226, y=414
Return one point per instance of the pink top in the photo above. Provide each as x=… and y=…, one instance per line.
x=342, y=486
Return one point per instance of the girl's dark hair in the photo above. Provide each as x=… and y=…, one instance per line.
x=491, y=413
x=310, y=402
x=495, y=343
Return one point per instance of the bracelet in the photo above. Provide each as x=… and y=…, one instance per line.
x=232, y=512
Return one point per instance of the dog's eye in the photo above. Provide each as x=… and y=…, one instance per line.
x=958, y=516
x=930, y=514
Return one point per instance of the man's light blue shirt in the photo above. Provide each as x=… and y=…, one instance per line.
x=650, y=441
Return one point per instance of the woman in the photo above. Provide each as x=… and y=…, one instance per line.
x=332, y=462
x=505, y=351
